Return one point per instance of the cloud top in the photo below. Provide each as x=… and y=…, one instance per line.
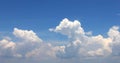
x=81, y=44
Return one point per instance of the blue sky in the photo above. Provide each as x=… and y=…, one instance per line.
x=40, y=15
x=51, y=31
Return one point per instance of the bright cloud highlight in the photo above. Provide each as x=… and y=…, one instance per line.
x=80, y=44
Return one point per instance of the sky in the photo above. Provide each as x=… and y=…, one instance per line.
x=45, y=31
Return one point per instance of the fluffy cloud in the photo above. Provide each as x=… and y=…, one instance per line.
x=69, y=28
x=8, y=49
x=26, y=35
x=81, y=44
x=114, y=34
x=30, y=46
x=45, y=50
x=28, y=42
x=97, y=46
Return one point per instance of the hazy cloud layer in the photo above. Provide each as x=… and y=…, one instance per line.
x=82, y=46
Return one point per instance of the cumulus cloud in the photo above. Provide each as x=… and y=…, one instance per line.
x=28, y=42
x=30, y=46
x=26, y=35
x=81, y=44
x=7, y=49
x=114, y=34
x=69, y=28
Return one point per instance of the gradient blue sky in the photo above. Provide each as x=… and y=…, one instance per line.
x=40, y=15
x=28, y=33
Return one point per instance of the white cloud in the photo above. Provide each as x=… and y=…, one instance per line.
x=6, y=44
x=114, y=34
x=26, y=35
x=97, y=46
x=81, y=44
x=45, y=50
x=8, y=49
x=69, y=28
x=29, y=41
x=29, y=47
